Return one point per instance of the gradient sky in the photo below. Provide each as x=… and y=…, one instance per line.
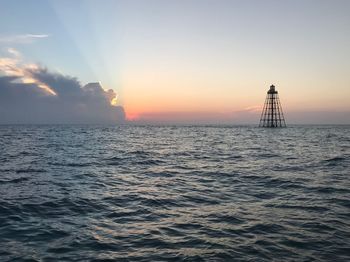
x=190, y=59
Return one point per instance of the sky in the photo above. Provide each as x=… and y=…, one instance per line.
x=190, y=61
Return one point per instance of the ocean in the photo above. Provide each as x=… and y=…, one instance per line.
x=174, y=193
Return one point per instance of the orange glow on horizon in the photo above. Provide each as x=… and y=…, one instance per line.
x=131, y=116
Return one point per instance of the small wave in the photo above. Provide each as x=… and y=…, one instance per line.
x=184, y=167
x=265, y=195
x=310, y=208
x=229, y=219
x=295, y=243
x=122, y=214
x=172, y=231
x=234, y=157
x=216, y=175
x=159, y=174
x=264, y=228
x=115, y=161
x=188, y=226
x=139, y=153
x=342, y=202
x=162, y=202
x=59, y=250
x=4, y=253
x=94, y=244
x=140, y=160
x=114, y=158
x=332, y=190
x=71, y=164
x=317, y=226
x=335, y=159
x=61, y=207
x=16, y=180
x=49, y=234
x=196, y=199
x=150, y=162
x=78, y=164
x=152, y=242
x=30, y=170
x=26, y=153
x=268, y=155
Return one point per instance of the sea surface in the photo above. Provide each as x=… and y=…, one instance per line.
x=174, y=193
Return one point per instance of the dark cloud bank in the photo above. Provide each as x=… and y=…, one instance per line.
x=72, y=103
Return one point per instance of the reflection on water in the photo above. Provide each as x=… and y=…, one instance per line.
x=174, y=193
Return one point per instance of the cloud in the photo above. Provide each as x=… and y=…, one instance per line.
x=14, y=52
x=33, y=94
x=22, y=39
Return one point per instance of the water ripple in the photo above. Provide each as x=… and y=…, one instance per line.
x=143, y=193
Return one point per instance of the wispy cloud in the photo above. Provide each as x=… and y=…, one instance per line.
x=13, y=66
x=14, y=52
x=22, y=38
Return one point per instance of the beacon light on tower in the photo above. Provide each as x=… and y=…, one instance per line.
x=272, y=114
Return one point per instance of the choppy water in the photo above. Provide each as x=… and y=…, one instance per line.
x=75, y=193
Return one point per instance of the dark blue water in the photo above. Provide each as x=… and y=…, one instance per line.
x=82, y=193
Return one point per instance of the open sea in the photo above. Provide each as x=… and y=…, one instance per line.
x=174, y=193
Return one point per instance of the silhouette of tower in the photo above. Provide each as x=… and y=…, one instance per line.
x=272, y=115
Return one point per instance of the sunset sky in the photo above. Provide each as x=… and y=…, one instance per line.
x=194, y=59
